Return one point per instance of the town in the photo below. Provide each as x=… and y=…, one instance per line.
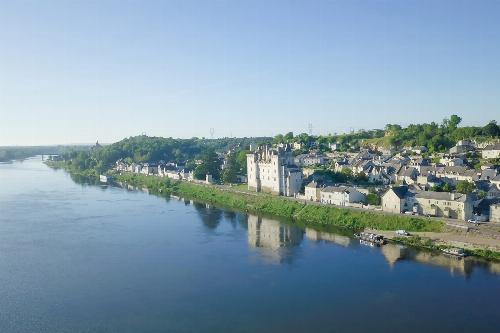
x=461, y=183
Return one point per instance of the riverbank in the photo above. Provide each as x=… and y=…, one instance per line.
x=280, y=206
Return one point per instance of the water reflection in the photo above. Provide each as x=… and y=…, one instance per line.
x=278, y=241
x=275, y=239
x=395, y=253
x=315, y=235
x=209, y=215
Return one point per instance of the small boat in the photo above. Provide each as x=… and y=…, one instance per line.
x=103, y=179
x=455, y=252
x=371, y=237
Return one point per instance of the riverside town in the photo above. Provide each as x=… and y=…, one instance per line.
x=250, y=166
x=430, y=185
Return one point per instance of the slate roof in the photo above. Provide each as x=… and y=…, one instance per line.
x=400, y=191
x=447, y=196
x=493, y=146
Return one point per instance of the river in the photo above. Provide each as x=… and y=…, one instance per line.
x=76, y=257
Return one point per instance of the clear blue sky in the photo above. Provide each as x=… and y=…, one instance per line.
x=73, y=71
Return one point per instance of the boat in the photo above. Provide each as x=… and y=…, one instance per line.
x=104, y=179
x=371, y=237
x=455, y=252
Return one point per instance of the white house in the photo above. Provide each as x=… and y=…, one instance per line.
x=341, y=195
x=394, y=200
x=491, y=151
x=309, y=159
x=312, y=191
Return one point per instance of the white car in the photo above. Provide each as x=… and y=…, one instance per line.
x=402, y=233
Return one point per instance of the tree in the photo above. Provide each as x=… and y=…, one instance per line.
x=278, y=139
x=491, y=129
x=288, y=137
x=241, y=161
x=361, y=177
x=231, y=170
x=373, y=199
x=347, y=173
x=454, y=121
x=209, y=166
x=465, y=187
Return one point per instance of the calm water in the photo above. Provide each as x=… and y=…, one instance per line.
x=85, y=258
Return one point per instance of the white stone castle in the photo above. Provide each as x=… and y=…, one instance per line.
x=272, y=170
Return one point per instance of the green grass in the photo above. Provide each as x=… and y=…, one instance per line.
x=88, y=173
x=282, y=207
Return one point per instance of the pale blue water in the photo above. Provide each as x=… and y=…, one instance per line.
x=85, y=258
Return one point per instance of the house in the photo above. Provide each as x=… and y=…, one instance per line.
x=419, y=149
x=121, y=165
x=297, y=146
x=454, y=174
x=272, y=170
x=488, y=209
x=149, y=169
x=137, y=168
x=462, y=146
x=379, y=174
x=341, y=195
x=488, y=174
x=428, y=180
x=309, y=159
x=450, y=205
x=362, y=165
x=341, y=165
x=394, y=200
x=491, y=151
x=312, y=191
x=408, y=175
x=445, y=204
x=334, y=146
x=451, y=161
x=494, y=214
x=496, y=181
x=419, y=162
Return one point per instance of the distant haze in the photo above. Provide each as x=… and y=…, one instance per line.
x=78, y=71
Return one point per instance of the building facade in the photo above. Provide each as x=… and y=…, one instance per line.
x=272, y=170
x=341, y=195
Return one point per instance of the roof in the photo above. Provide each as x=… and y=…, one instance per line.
x=313, y=184
x=488, y=174
x=338, y=189
x=446, y=196
x=400, y=191
x=493, y=146
x=410, y=172
x=484, y=204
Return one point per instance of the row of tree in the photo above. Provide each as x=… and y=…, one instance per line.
x=436, y=137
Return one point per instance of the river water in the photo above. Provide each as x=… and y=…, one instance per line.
x=76, y=257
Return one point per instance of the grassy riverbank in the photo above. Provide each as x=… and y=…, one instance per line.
x=88, y=173
x=282, y=207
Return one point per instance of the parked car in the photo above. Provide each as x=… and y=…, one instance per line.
x=402, y=233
